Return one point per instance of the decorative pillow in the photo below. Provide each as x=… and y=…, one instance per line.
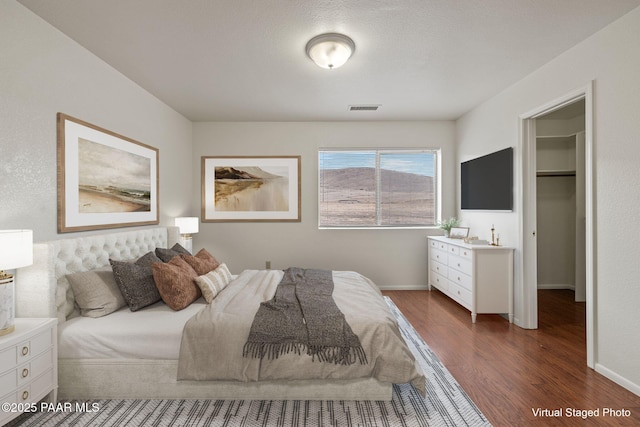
x=213, y=282
x=166, y=254
x=96, y=292
x=203, y=262
x=174, y=280
x=135, y=281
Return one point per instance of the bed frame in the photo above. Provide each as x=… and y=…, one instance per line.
x=43, y=291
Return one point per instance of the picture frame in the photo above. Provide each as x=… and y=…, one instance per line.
x=251, y=189
x=94, y=194
x=459, y=232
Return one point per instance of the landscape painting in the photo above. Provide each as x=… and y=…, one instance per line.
x=105, y=180
x=251, y=188
x=103, y=188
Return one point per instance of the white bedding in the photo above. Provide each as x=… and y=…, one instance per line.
x=153, y=332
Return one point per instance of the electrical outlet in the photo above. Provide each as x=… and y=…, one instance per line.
x=267, y=265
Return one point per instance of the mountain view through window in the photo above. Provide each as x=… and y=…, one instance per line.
x=377, y=188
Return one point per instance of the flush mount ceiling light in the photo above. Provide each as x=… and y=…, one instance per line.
x=330, y=50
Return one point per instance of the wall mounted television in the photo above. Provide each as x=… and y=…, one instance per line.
x=486, y=182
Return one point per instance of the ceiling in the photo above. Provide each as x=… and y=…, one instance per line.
x=244, y=60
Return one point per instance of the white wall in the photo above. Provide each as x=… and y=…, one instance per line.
x=43, y=72
x=611, y=59
x=391, y=258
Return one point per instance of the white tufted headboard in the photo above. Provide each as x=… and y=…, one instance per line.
x=42, y=289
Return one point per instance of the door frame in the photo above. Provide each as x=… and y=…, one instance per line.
x=528, y=220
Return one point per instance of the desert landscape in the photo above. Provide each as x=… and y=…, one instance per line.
x=250, y=189
x=348, y=198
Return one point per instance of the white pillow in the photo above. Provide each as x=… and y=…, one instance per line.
x=213, y=282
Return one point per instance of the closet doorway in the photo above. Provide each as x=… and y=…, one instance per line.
x=567, y=187
x=560, y=200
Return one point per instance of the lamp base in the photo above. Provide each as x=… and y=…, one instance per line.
x=7, y=313
x=8, y=330
x=187, y=242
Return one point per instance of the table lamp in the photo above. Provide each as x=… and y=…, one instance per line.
x=187, y=226
x=16, y=250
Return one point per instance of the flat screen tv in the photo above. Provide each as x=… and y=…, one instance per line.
x=487, y=182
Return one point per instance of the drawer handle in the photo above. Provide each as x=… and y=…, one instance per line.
x=465, y=252
x=25, y=373
x=458, y=292
x=25, y=395
x=458, y=264
x=25, y=350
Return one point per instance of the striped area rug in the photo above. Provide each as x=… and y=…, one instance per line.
x=446, y=404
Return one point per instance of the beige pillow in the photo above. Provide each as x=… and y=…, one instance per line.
x=96, y=292
x=174, y=280
x=213, y=282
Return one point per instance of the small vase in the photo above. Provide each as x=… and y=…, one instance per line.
x=446, y=233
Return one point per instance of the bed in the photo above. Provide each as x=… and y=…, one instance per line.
x=97, y=361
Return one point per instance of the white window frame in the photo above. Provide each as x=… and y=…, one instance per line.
x=437, y=175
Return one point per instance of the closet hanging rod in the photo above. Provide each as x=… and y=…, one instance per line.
x=556, y=173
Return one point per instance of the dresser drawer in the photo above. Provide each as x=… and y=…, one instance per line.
x=460, y=294
x=439, y=282
x=453, y=250
x=439, y=256
x=460, y=278
x=466, y=253
x=461, y=264
x=439, y=267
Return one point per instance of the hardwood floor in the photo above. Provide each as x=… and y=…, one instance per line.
x=510, y=372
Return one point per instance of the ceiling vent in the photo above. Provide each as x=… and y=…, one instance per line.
x=373, y=107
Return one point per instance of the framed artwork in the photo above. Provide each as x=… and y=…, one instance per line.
x=459, y=232
x=257, y=188
x=105, y=180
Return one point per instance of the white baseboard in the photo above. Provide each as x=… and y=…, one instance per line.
x=402, y=287
x=556, y=286
x=618, y=379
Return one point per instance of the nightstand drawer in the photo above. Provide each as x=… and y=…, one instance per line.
x=32, y=369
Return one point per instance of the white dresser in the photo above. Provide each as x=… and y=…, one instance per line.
x=28, y=366
x=478, y=277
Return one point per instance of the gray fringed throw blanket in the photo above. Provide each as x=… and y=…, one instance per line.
x=303, y=317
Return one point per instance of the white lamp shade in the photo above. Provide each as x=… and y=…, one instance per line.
x=330, y=50
x=16, y=249
x=187, y=225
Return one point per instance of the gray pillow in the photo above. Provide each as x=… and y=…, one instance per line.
x=96, y=292
x=135, y=281
x=166, y=254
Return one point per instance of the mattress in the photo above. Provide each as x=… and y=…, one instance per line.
x=153, y=332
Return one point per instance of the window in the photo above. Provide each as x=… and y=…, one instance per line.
x=377, y=188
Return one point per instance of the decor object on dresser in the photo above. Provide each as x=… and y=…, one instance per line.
x=448, y=224
x=28, y=366
x=330, y=50
x=478, y=277
x=188, y=225
x=92, y=193
x=16, y=251
x=459, y=232
x=259, y=188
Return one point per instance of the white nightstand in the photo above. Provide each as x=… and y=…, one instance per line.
x=28, y=366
